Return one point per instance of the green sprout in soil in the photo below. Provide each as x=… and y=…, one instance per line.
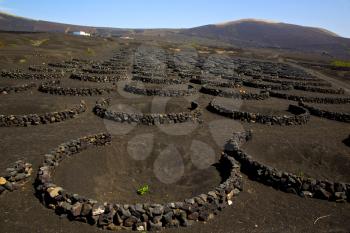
x=301, y=174
x=143, y=190
x=90, y=51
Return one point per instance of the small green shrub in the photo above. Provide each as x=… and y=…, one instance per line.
x=143, y=190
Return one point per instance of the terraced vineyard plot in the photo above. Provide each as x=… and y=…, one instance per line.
x=178, y=124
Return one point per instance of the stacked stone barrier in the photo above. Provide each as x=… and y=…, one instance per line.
x=44, y=69
x=299, y=78
x=16, y=89
x=101, y=110
x=54, y=89
x=15, y=176
x=65, y=65
x=215, y=83
x=280, y=180
x=105, y=70
x=98, y=78
x=310, y=99
x=320, y=90
x=234, y=78
x=294, y=83
x=336, y=116
x=257, y=84
x=159, y=91
x=140, y=217
x=301, y=115
x=38, y=119
x=156, y=80
x=29, y=76
x=232, y=94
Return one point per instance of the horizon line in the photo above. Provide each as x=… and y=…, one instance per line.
x=269, y=21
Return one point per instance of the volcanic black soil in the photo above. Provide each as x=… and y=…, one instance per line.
x=114, y=173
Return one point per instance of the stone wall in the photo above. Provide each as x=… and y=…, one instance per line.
x=294, y=83
x=15, y=89
x=160, y=92
x=98, y=78
x=156, y=80
x=302, y=116
x=105, y=70
x=13, y=177
x=65, y=65
x=299, y=78
x=336, y=116
x=232, y=94
x=320, y=90
x=57, y=90
x=287, y=182
x=139, y=217
x=32, y=76
x=101, y=110
x=216, y=83
x=310, y=99
x=44, y=69
x=37, y=119
x=257, y=84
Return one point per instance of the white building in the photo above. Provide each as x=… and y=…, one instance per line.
x=126, y=38
x=81, y=33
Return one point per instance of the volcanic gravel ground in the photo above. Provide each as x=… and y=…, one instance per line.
x=114, y=172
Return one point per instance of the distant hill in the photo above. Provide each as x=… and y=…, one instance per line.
x=267, y=34
x=247, y=33
x=10, y=22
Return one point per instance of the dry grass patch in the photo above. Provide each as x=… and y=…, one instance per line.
x=37, y=43
x=90, y=51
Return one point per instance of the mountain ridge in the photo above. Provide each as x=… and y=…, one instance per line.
x=244, y=33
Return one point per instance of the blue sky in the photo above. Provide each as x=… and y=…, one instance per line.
x=330, y=14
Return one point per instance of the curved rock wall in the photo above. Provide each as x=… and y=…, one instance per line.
x=255, y=84
x=37, y=119
x=231, y=84
x=14, y=176
x=139, y=217
x=163, y=81
x=303, y=186
x=336, y=116
x=231, y=94
x=15, y=89
x=320, y=90
x=32, y=76
x=320, y=100
x=57, y=90
x=302, y=116
x=101, y=110
x=97, y=78
x=104, y=70
x=160, y=92
x=294, y=83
